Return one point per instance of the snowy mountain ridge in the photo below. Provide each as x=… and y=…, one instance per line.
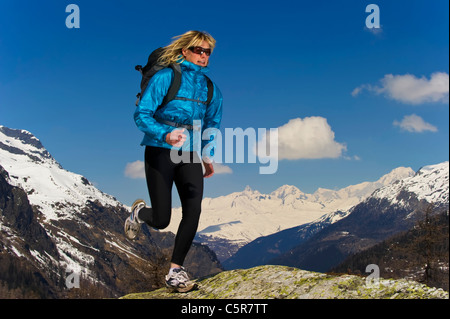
x=430, y=183
x=241, y=217
x=392, y=208
x=47, y=184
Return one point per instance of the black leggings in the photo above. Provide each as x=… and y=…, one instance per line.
x=161, y=172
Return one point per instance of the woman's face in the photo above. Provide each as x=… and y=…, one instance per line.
x=200, y=59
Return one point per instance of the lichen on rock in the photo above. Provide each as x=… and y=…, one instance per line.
x=281, y=282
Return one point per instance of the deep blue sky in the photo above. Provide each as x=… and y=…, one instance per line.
x=275, y=61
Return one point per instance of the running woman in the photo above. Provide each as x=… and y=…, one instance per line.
x=171, y=128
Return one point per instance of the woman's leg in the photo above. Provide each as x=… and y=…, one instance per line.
x=189, y=182
x=159, y=171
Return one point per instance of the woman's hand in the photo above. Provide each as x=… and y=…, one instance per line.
x=176, y=138
x=209, y=169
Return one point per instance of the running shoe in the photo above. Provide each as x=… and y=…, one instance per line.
x=178, y=280
x=133, y=224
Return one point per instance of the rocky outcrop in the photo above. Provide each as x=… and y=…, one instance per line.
x=281, y=282
x=17, y=212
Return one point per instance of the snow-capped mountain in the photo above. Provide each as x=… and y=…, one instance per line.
x=55, y=223
x=430, y=183
x=46, y=183
x=389, y=210
x=229, y=222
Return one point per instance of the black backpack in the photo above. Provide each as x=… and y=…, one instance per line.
x=153, y=67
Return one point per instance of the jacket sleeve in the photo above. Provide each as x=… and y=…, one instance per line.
x=211, y=124
x=153, y=96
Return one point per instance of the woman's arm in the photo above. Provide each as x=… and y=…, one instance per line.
x=153, y=96
x=211, y=122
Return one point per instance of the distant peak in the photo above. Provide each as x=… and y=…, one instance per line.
x=429, y=183
x=286, y=190
x=396, y=174
x=435, y=167
x=22, y=135
x=250, y=192
x=17, y=142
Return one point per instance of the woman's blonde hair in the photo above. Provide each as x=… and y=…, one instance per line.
x=173, y=52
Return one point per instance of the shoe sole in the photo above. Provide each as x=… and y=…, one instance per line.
x=126, y=226
x=127, y=221
x=188, y=288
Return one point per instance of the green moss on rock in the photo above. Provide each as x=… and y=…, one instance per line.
x=275, y=282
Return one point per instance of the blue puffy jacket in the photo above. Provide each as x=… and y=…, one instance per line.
x=193, y=86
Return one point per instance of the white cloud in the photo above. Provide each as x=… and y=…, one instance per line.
x=352, y=158
x=135, y=170
x=415, y=124
x=222, y=169
x=358, y=90
x=410, y=89
x=308, y=138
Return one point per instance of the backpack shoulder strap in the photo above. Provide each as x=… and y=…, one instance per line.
x=174, y=86
x=210, y=90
